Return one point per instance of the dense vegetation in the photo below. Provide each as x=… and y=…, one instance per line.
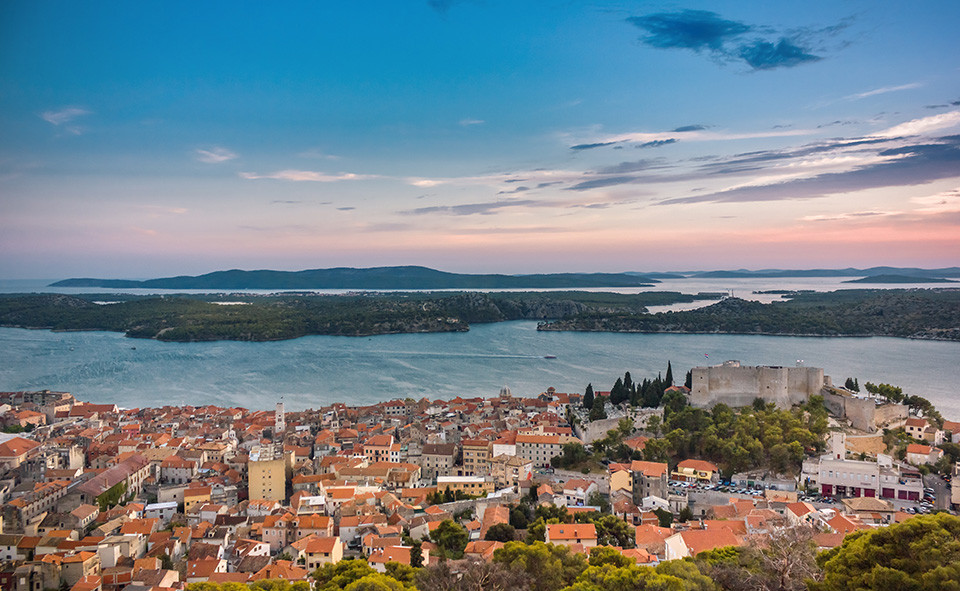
x=926, y=313
x=276, y=317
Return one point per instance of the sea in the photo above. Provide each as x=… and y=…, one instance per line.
x=314, y=371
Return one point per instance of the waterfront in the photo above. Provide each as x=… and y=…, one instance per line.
x=318, y=370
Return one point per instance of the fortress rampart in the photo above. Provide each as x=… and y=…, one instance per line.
x=739, y=385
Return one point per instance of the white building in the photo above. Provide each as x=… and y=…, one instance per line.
x=838, y=476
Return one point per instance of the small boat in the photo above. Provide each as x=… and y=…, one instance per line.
x=549, y=356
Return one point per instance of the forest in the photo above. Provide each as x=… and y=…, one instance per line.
x=246, y=317
x=914, y=313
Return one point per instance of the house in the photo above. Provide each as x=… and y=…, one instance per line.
x=380, y=557
x=952, y=427
x=162, y=511
x=437, y=459
x=539, y=449
x=577, y=491
x=14, y=451
x=919, y=454
x=691, y=542
x=322, y=550
x=201, y=570
x=652, y=538
x=79, y=565
x=649, y=479
x=696, y=471
x=476, y=457
x=568, y=534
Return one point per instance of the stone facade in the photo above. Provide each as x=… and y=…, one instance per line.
x=739, y=385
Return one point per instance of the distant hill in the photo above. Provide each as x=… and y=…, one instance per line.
x=410, y=277
x=848, y=272
x=900, y=279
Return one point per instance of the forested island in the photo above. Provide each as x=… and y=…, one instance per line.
x=915, y=313
x=927, y=314
x=406, y=277
x=245, y=317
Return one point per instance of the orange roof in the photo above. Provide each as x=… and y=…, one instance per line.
x=571, y=531
x=916, y=448
x=79, y=557
x=701, y=540
x=322, y=544
x=17, y=446
x=698, y=465
x=651, y=534
x=649, y=469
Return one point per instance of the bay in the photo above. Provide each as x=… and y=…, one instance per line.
x=318, y=370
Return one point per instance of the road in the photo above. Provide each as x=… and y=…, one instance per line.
x=941, y=491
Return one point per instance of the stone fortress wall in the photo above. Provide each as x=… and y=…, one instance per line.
x=739, y=385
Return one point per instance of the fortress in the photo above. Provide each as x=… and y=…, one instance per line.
x=739, y=385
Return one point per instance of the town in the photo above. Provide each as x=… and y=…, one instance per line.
x=100, y=498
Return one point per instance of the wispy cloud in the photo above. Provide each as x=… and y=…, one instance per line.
x=853, y=215
x=468, y=122
x=319, y=154
x=906, y=165
x=646, y=139
x=308, y=176
x=727, y=40
x=214, y=155
x=157, y=210
x=64, y=115
x=923, y=125
x=945, y=202
x=486, y=208
x=591, y=146
x=882, y=90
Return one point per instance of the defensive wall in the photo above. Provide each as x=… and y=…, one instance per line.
x=863, y=412
x=739, y=385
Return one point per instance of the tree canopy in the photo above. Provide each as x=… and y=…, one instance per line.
x=921, y=554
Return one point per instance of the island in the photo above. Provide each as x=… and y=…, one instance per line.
x=405, y=277
x=914, y=313
x=249, y=317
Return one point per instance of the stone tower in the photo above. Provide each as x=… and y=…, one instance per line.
x=281, y=423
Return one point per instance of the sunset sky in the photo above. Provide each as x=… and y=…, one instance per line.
x=143, y=139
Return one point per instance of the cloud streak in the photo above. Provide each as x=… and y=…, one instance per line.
x=65, y=115
x=215, y=155
x=906, y=165
x=307, y=176
x=882, y=90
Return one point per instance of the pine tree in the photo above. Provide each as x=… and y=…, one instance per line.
x=588, y=397
x=669, y=379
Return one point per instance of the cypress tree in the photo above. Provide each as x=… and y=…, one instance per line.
x=617, y=393
x=669, y=379
x=588, y=397
x=688, y=382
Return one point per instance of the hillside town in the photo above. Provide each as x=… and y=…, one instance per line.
x=100, y=498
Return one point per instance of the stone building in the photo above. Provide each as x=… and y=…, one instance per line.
x=739, y=385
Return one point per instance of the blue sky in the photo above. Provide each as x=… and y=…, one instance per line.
x=143, y=139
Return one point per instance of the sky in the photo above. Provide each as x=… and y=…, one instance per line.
x=145, y=139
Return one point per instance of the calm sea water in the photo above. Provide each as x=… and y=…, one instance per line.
x=314, y=371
